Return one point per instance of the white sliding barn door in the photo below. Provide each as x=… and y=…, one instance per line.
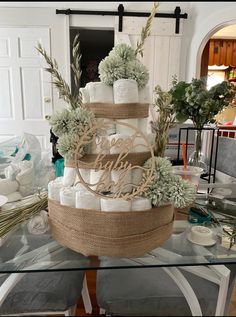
x=162, y=48
x=25, y=87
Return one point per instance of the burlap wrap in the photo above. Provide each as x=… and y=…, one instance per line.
x=99, y=233
x=86, y=162
x=118, y=111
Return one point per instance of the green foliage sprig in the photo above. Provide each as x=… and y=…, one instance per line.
x=165, y=120
x=69, y=124
x=64, y=90
x=193, y=100
x=146, y=30
x=167, y=187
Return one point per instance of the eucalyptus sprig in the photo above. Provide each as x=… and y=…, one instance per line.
x=146, y=30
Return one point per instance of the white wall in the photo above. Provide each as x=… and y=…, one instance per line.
x=204, y=18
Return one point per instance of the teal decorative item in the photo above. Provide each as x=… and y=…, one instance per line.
x=199, y=216
x=59, y=167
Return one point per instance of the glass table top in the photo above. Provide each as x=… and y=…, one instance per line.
x=25, y=252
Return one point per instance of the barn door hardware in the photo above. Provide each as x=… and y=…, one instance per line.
x=177, y=15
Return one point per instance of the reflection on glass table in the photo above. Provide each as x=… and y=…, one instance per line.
x=23, y=252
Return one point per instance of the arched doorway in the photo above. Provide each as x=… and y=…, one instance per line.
x=218, y=63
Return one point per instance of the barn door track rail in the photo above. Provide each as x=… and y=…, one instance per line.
x=177, y=15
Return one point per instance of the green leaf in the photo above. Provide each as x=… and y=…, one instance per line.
x=180, y=117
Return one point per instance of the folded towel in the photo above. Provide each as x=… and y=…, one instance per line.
x=69, y=176
x=38, y=224
x=67, y=196
x=115, y=205
x=14, y=197
x=7, y=186
x=140, y=204
x=100, y=92
x=123, y=129
x=87, y=200
x=125, y=91
x=54, y=188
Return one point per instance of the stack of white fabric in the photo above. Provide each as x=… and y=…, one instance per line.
x=67, y=196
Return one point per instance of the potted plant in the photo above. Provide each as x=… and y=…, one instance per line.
x=193, y=101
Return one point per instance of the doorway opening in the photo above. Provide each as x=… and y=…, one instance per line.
x=218, y=63
x=95, y=45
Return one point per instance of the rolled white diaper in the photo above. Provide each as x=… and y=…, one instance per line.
x=110, y=127
x=100, y=92
x=54, y=188
x=101, y=145
x=119, y=142
x=99, y=176
x=85, y=95
x=140, y=145
x=69, y=176
x=87, y=200
x=115, y=205
x=142, y=125
x=7, y=186
x=67, y=196
x=144, y=95
x=136, y=176
x=14, y=197
x=125, y=91
x=140, y=204
x=123, y=129
x=122, y=181
x=85, y=174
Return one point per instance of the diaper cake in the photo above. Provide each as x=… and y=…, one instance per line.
x=100, y=207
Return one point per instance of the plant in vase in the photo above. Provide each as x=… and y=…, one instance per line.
x=193, y=101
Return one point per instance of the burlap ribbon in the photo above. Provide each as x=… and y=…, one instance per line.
x=117, y=233
x=118, y=111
